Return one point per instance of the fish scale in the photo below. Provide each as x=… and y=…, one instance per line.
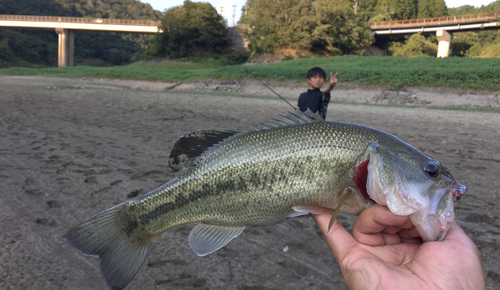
x=292, y=165
x=308, y=169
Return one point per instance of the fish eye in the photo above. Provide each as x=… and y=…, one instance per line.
x=431, y=169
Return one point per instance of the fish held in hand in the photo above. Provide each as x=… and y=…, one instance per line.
x=292, y=165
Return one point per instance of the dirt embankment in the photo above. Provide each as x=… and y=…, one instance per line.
x=344, y=92
x=72, y=148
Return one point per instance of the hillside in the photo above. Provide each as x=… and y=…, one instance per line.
x=34, y=47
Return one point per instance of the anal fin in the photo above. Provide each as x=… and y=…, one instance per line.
x=205, y=239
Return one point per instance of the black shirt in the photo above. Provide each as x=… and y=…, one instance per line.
x=315, y=100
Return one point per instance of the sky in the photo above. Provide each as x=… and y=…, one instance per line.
x=228, y=4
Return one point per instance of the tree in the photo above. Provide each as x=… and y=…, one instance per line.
x=462, y=42
x=492, y=50
x=277, y=23
x=320, y=26
x=395, y=10
x=25, y=47
x=337, y=28
x=366, y=10
x=487, y=45
x=469, y=9
x=416, y=45
x=432, y=9
x=464, y=9
x=194, y=28
x=476, y=43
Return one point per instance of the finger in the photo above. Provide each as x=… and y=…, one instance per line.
x=397, y=254
x=370, y=227
x=471, y=258
x=457, y=234
x=397, y=229
x=335, y=75
x=410, y=236
x=338, y=238
x=377, y=217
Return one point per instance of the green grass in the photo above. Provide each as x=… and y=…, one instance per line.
x=176, y=71
x=466, y=108
x=464, y=73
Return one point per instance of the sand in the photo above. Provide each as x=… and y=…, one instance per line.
x=70, y=148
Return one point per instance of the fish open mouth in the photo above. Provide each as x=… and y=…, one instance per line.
x=362, y=178
x=458, y=191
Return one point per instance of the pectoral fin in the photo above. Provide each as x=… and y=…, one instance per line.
x=305, y=209
x=343, y=197
x=205, y=239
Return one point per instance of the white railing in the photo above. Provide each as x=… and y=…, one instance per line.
x=79, y=20
x=444, y=20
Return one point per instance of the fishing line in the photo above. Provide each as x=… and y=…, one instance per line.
x=264, y=84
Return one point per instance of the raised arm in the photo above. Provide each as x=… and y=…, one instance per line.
x=331, y=84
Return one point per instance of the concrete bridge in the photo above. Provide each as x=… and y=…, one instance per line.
x=443, y=27
x=66, y=27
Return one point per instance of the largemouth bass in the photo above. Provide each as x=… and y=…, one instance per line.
x=293, y=165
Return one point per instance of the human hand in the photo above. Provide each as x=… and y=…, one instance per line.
x=333, y=79
x=386, y=252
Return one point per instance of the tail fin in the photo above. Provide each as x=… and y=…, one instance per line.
x=102, y=236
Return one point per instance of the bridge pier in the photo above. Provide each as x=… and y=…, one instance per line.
x=444, y=39
x=66, y=48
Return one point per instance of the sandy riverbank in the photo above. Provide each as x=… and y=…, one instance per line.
x=70, y=148
x=344, y=92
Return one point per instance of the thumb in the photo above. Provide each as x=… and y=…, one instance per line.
x=338, y=238
x=457, y=234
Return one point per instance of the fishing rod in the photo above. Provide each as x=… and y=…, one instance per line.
x=293, y=107
x=264, y=84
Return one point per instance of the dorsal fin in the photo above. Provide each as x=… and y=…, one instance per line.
x=191, y=145
x=292, y=118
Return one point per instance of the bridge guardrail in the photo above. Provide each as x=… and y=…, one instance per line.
x=35, y=18
x=456, y=19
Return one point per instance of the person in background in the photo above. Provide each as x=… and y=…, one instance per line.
x=314, y=98
x=386, y=252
